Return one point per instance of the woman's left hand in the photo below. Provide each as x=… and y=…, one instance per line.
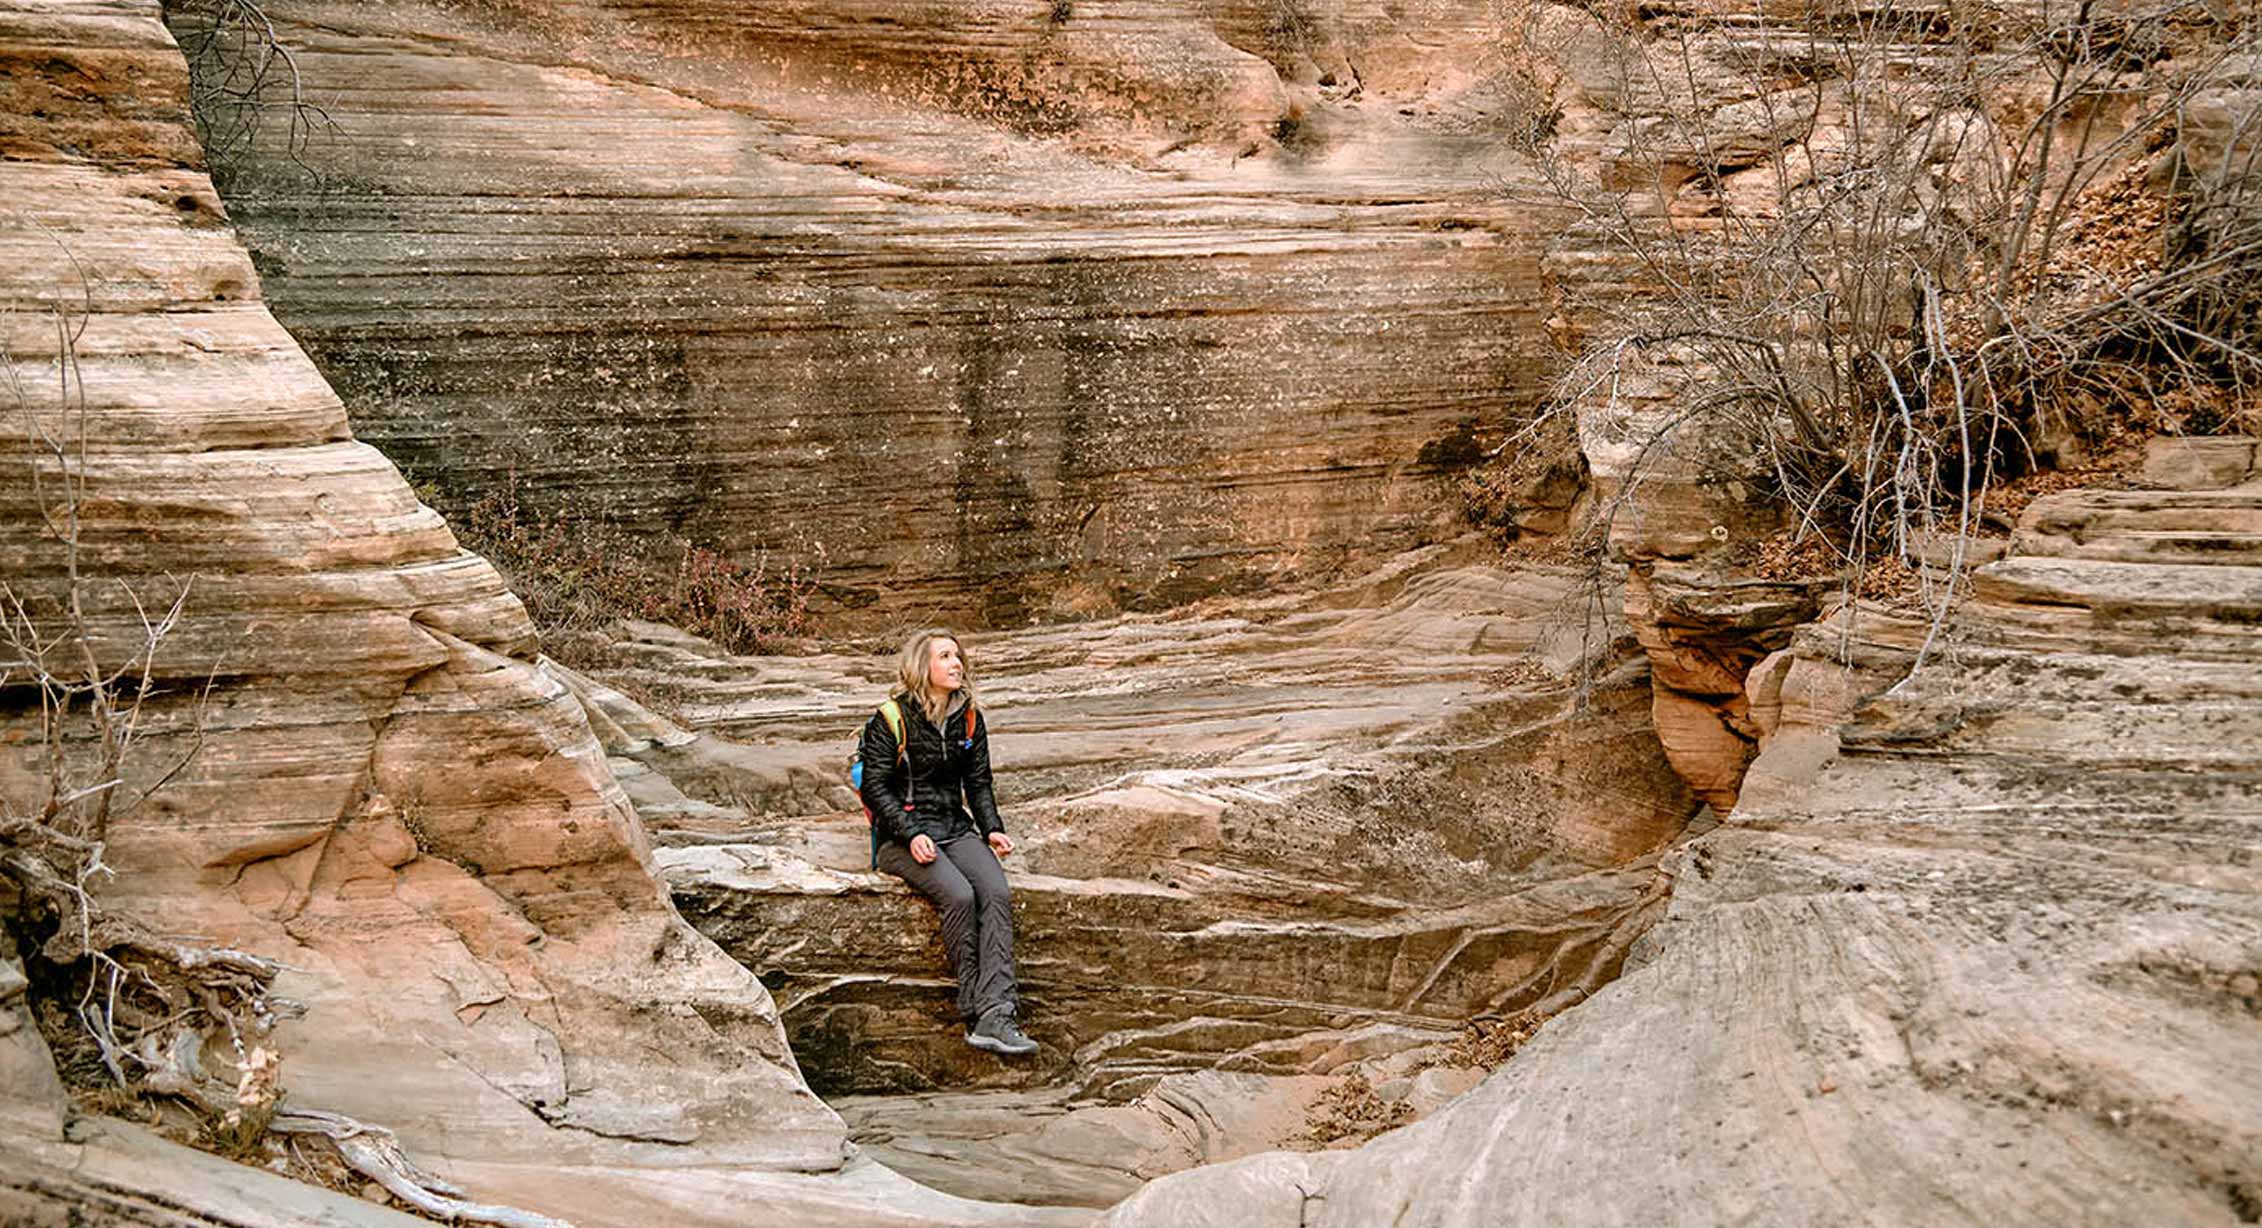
x=1001, y=844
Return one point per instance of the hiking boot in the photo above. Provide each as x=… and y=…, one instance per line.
x=996, y=1032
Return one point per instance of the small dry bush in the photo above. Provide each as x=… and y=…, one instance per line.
x=245, y=88
x=137, y=1021
x=1352, y=1111
x=1527, y=492
x=579, y=577
x=1888, y=257
x=1349, y=1113
x=1488, y=1043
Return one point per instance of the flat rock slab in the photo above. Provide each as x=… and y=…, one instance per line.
x=2200, y=462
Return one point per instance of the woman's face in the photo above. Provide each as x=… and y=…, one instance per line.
x=945, y=671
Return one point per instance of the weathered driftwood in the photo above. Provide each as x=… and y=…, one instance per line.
x=374, y=1152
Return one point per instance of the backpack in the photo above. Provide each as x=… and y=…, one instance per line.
x=892, y=713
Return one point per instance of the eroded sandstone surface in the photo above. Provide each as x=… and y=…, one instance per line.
x=1269, y=838
x=996, y=311
x=387, y=796
x=394, y=801
x=1973, y=945
x=1976, y=946
x=1126, y=295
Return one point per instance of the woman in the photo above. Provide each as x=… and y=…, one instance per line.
x=928, y=838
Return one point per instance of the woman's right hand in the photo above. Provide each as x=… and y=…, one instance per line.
x=922, y=850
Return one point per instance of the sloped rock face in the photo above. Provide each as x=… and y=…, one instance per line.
x=386, y=796
x=1317, y=834
x=1270, y=840
x=1984, y=942
x=994, y=311
x=1045, y=1147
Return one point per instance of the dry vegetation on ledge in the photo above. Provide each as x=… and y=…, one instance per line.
x=579, y=577
x=1884, y=267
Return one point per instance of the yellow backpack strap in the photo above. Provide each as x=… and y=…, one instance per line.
x=892, y=713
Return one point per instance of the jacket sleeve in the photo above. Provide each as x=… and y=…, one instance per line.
x=981, y=795
x=877, y=752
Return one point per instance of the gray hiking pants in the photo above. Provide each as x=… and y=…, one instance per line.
x=968, y=887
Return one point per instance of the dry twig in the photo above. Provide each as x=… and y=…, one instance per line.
x=1884, y=263
x=147, y=1005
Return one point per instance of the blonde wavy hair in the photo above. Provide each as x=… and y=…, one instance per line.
x=911, y=673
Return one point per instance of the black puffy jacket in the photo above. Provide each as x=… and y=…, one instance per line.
x=945, y=775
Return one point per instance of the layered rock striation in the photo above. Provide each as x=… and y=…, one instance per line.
x=1273, y=840
x=352, y=765
x=994, y=311
x=1247, y=884
x=1057, y=310
x=1976, y=940
x=1977, y=945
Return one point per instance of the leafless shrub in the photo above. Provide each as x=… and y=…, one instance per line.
x=578, y=578
x=1876, y=259
x=144, y=1003
x=244, y=83
x=131, y=1014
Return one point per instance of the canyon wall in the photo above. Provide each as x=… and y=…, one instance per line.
x=347, y=761
x=1145, y=301
x=994, y=311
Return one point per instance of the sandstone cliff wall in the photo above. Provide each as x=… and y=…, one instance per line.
x=386, y=795
x=990, y=310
